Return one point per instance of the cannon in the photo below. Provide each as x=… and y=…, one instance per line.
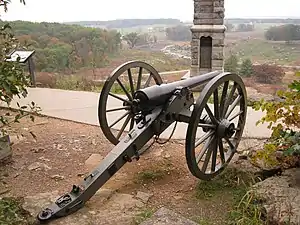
x=146, y=108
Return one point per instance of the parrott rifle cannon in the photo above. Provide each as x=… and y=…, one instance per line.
x=215, y=121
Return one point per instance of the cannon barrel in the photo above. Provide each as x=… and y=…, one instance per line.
x=159, y=94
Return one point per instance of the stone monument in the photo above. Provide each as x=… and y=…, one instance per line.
x=208, y=34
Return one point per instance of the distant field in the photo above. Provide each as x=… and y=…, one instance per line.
x=261, y=51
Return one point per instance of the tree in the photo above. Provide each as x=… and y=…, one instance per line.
x=231, y=64
x=288, y=32
x=243, y=27
x=131, y=39
x=179, y=33
x=246, y=68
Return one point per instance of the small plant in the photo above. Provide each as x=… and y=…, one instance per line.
x=249, y=211
x=231, y=64
x=12, y=213
x=232, y=179
x=142, y=216
x=246, y=69
x=151, y=175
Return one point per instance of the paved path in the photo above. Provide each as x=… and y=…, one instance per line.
x=82, y=107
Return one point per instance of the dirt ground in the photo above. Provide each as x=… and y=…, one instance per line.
x=64, y=146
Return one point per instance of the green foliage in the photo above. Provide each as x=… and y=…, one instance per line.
x=13, y=80
x=232, y=180
x=131, y=39
x=283, y=117
x=246, y=69
x=12, y=213
x=61, y=47
x=249, y=211
x=142, y=216
x=231, y=64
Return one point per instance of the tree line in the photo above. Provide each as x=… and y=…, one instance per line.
x=288, y=32
x=62, y=47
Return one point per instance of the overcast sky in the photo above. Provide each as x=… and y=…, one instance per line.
x=74, y=10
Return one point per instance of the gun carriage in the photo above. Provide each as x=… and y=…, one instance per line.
x=215, y=120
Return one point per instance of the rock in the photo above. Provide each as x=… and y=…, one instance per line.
x=44, y=159
x=143, y=196
x=94, y=142
x=57, y=177
x=281, y=197
x=38, y=150
x=5, y=149
x=38, y=166
x=16, y=139
x=164, y=216
x=106, y=207
x=93, y=161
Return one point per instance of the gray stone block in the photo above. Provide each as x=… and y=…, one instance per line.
x=167, y=217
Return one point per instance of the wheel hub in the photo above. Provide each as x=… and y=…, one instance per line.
x=226, y=129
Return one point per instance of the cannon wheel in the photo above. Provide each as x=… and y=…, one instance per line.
x=127, y=78
x=208, y=155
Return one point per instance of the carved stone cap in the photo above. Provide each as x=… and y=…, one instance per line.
x=209, y=28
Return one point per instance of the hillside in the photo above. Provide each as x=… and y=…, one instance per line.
x=126, y=23
x=61, y=47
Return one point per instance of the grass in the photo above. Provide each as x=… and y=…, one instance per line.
x=158, y=60
x=262, y=51
x=235, y=184
x=142, y=216
x=12, y=213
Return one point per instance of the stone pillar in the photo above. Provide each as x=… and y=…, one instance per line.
x=208, y=34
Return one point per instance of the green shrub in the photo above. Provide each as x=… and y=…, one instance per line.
x=284, y=120
x=246, y=69
x=231, y=64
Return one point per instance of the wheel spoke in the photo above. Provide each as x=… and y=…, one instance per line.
x=139, y=79
x=216, y=104
x=234, y=104
x=118, y=109
x=207, y=157
x=130, y=81
x=221, y=148
x=227, y=102
x=124, y=89
x=214, y=156
x=223, y=98
x=209, y=112
x=148, y=81
x=230, y=143
x=132, y=123
x=203, y=150
x=119, y=98
x=235, y=115
x=204, y=125
x=123, y=127
x=118, y=120
x=204, y=138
